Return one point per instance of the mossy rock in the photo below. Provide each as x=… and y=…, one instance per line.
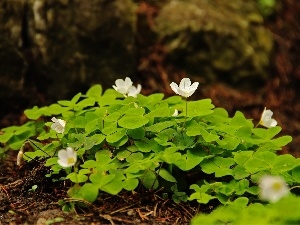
x=224, y=40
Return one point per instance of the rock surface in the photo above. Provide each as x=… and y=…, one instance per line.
x=217, y=40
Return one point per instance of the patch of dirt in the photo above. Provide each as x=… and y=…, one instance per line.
x=20, y=204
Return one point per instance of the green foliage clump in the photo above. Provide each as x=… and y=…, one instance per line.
x=200, y=155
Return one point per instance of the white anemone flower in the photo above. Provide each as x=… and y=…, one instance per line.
x=175, y=113
x=58, y=125
x=67, y=157
x=134, y=91
x=266, y=119
x=272, y=188
x=186, y=88
x=123, y=86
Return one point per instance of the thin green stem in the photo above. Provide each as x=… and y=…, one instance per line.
x=76, y=170
x=185, y=115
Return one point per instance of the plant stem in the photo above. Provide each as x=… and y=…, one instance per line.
x=185, y=115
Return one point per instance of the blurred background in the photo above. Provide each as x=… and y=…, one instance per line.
x=244, y=53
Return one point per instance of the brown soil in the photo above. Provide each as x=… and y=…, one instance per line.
x=18, y=205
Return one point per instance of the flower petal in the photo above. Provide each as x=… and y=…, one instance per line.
x=128, y=82
x=185, y=83
x=71, y=152
x=174, y=87
x=63, y=163
x=194, y=86
x=62, y=154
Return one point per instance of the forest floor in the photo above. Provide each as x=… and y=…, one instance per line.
x=281, y=94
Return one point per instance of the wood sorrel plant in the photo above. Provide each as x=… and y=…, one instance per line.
x=118, y=141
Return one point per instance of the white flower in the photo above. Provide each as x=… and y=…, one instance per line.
x=58, y=125
x=272, y=188
x=67, y=157
x=123, y=86
x=185, y=88
x=134, y=91
x=266, y=119
x=175, y=113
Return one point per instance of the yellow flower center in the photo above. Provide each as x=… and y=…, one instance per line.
x=71, y=160
x=276, y=186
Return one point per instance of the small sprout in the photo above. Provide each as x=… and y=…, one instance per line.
x=20, y=157
x=272, y=188
x=266, y=119
x=67, y=157
x=33, y=188
x=58, y=125
x=185, y=88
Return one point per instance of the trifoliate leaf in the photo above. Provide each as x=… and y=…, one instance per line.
x=89, y=192
x=132, y=121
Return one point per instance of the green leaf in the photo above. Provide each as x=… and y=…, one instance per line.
x=137, y=133
x=241, y=202
x=266, y=134
x=160, y=126
x=166, y=175
x=84, y=103
x=199, y=108
x=103, y=156
x=79, y=122
x=116, y=136
x=135, y=111
x=130, y=184
x=173, y=99
x=56, y=109
x=101, y=179
x=113, y=117
x=239, y=172
x=121, y=142
x=281, y=141
x=182, y=141
x=51, y=161
x=5, y=137
x=33, y=113
x=132, y=122
x=201, y=197
x=149, y=180
x=283, y=163
x=242, y=157
x=95, y=91
x=161, y=110
x=218, y=165
x=189, y=160
x=76, y=98
x=254, y=165
x=146, y=145
x=228, y=142
x=193, y=128
x=170, y=155
x=77, y=178
x=113, y=187
x=151, y=99
x=296, y=174
x=208, y=136
x=89, y=192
